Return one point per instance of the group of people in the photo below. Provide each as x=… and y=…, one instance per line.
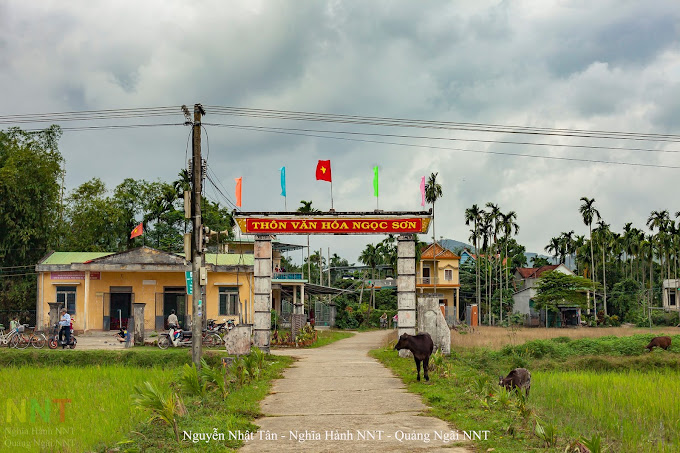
x=278, y=269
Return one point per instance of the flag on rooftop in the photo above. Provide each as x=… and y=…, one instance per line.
x=422, y=191
x=375, y=181
x=138, y=231
x=283, y=181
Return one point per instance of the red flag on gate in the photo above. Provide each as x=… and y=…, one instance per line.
x=323, y=170
x=138, y=231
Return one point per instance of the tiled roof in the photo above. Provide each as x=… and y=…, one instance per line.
x=535, y=272
x=442, y=253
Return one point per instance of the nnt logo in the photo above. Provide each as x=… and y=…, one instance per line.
x=31, y=410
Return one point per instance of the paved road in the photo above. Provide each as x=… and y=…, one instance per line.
x=338, y=399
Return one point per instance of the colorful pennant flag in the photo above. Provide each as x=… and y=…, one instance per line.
x=375, y=181
x=239, y=181
x=138, y=231
x=422, y=191
x=323, y=170
x=283, y=181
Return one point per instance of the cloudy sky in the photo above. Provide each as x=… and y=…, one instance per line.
x=604, y=65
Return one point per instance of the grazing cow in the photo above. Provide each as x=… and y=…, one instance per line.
x=519, y=378
x=662, y=342
x=421, y=347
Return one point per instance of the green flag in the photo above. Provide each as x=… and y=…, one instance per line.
x=375, y=181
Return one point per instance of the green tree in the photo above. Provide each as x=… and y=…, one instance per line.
x=370, y=256
x=306, y=207
x=625, y=298
x=555, y=288
x=30, y=176
x=474, y=215
x=539, y=261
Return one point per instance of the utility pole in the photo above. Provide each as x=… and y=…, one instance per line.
x=197, y=304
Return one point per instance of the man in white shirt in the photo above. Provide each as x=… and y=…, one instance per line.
x=65, y=331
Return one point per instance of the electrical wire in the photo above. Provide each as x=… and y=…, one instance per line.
x=501, y=153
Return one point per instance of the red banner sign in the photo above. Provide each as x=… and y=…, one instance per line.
x=320, y=225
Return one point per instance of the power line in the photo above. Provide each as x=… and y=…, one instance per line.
x=428, y=137
x=412, y=145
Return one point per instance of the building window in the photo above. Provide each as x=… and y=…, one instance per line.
x=228, y=301
x=66, y=295
x=448, y=275
x=671, y=298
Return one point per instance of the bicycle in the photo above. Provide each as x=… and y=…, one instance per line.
x=15, y=338
x=38, y=340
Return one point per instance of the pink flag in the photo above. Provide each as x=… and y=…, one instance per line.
x=422, y=191
x=239, y=181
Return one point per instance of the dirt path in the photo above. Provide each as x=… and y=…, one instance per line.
x=339, y=399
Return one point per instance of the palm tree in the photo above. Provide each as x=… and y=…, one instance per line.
x=605, y=235
x=307, y=208
x=433, y=192
x=370, y=256
x=554, y=247
x=486, y=231
x=496, y=215
x=507, y=225
x=588, y=212
x=660, y=220
x=474, y=215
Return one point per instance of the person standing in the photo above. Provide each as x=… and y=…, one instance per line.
x=172, y=319
x=65, y=331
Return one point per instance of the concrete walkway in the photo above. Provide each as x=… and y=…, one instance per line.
x=338, y=399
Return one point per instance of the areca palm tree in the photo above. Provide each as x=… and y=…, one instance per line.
x=370, y=256
x=433, y=192
x=554, y=247
x=507, y=225
x=495, y=216
x=605, y=237
x=474, y=215
x=589, y=212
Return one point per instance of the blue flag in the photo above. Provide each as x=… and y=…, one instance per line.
x=283, y=181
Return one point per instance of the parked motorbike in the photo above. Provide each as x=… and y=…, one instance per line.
x=54, y=341
x=178, y=337
x=222, y=327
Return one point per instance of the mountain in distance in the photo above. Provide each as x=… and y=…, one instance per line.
x=458, y=246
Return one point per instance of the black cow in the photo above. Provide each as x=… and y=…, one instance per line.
x=661, y=342
x=421, y=346
x=519, y=378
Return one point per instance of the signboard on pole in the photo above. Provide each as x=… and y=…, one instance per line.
x=190, y=282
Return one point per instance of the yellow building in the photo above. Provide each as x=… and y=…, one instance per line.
x=445, y=276
x=99, y=289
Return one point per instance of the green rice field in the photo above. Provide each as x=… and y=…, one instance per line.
x=70, y=408
x=637, y=412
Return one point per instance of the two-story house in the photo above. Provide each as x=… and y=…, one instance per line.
x=443, y=276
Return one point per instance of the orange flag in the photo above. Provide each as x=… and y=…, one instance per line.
x=239, y=181
x=138, y=231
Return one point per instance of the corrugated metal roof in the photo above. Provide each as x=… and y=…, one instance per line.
x=73, y=257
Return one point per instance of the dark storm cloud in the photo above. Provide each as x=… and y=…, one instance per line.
x=604, y=65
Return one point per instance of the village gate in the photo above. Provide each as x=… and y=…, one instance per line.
x=265, y=225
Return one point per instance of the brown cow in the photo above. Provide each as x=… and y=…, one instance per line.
x=519, y=378
x=421, y=346
x=662, y=342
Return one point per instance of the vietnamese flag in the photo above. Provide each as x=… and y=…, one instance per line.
x=138, y=231
x=323, y=171
x=239, y=182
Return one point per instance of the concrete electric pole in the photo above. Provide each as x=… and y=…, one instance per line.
x=197, y=304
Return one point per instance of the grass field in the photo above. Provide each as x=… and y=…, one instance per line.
x=592, y=385
x=74, y=401
x=636, y=412
x=95, y=407
x=497, y=337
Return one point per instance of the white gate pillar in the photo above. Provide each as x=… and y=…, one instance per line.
x=262, y=277
x=406, y=284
